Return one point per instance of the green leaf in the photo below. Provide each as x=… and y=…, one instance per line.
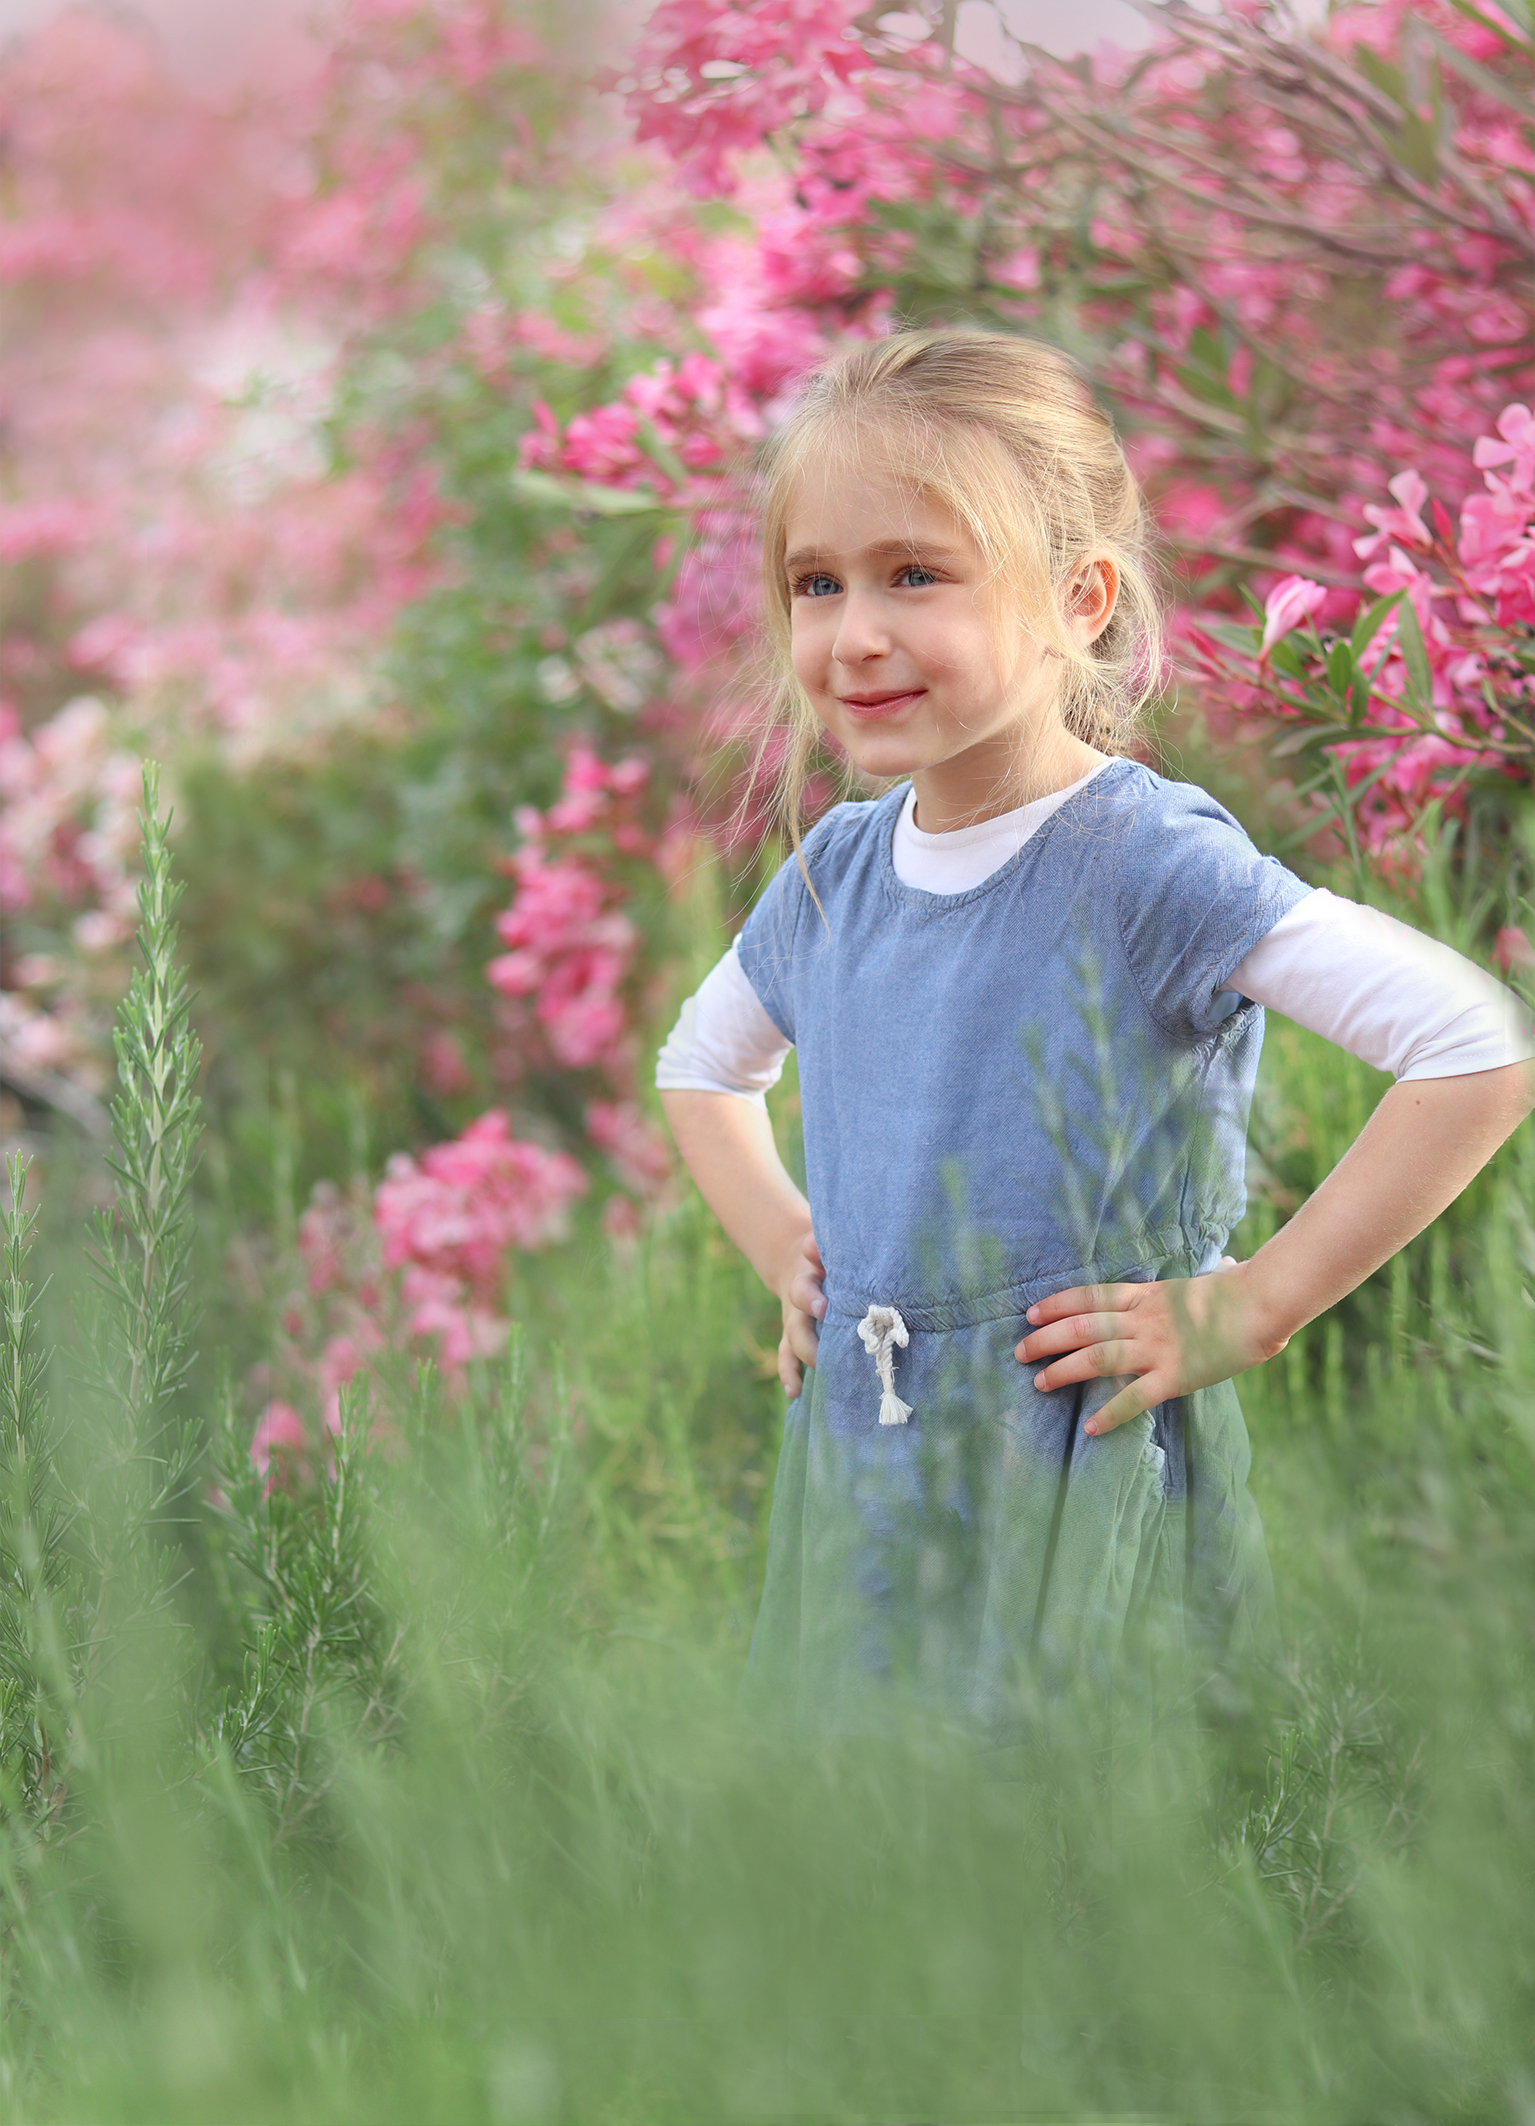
x=1369, y=623
x=1414, y=654
x=1203, y=371
x=1287, y=657
x=1417, y=146
x=1382, y=75
x=544, y=490
x=1342, y=672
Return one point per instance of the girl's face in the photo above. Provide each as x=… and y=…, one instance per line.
x=897, y=642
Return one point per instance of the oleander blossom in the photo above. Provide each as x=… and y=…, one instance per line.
x=449, y=1220
x=1288, y=606
x=571, y=948
x=1457, y=699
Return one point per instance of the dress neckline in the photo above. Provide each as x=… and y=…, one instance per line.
x=889, y=808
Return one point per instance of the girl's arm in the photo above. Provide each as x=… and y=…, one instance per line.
x=1424, y=1142
x=727, y=1146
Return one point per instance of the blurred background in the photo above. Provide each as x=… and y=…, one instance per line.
x=379, y=388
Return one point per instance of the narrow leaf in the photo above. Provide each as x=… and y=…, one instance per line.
x=544, y=490
x=1368, y=625
x=1414, y=654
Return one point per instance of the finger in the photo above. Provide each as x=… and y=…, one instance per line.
x=1068, y=1335
x=1081, y=1299
x=799, y=1333
x=813, y=1255
x=788, y=1368
x=1132, y=1400
x=806, y=1294
x=1097, y=1361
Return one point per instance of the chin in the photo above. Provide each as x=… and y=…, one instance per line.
x=884, y=763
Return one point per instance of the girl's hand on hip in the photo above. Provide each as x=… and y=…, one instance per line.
x=1163, y=1340
x=804, y=1305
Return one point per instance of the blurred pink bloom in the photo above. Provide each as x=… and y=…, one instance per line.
x=641, y=1155
x=1404, y=523
x=278, y=1447
x=443, y=1066
x=1512, y=949
x=1288, y=604
x=460, y=1208
x=1513, y=445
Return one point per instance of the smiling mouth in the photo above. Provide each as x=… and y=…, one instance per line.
x=869, y=708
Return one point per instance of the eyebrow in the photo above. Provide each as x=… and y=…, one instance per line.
x=805, y=557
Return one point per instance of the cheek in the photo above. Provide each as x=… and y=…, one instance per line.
x=809, y=647
x=970, y=651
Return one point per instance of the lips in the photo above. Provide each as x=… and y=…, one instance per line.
x=872, y=708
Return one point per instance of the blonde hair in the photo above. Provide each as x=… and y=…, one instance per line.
x=1007, y=436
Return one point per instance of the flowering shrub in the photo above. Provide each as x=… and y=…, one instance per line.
x=571, y=949
x=209, y=518
x=421, y=1265
x=418, y=404
x=449, y=1219
x=1434, y=685
x=1200, y=221
x=69, y=836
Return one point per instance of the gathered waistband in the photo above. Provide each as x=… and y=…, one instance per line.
x=969, y=1310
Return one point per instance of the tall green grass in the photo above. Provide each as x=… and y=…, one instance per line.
x=424, y=1795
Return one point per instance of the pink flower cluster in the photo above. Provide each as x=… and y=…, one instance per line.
x=183, y=284
x=640, y=1157
x=570, y=947
x=712, y=82
x=69, y=835
x=854, y=107
x=448, y=1220
x=1470, y=587
x=340, y=1315
x=693, y=409
x=426, y=1259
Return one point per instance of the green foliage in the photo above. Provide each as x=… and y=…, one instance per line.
x=141, y=1447
x=435, y=1804
x=33, y=1568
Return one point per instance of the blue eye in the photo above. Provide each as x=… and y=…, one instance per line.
x=923, y=575
x=820, y=585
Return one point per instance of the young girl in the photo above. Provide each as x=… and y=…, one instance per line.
x=1026, y=989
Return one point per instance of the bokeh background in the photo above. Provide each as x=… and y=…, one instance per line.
x=379, y=389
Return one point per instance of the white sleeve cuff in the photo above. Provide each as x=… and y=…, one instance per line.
x=723, y=1041
x=1383, y=991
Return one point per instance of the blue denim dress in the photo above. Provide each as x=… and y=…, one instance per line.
x=1034, y=1084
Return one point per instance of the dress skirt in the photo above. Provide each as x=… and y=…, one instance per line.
x=988, y=1554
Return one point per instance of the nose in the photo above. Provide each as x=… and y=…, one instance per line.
x=861, y=629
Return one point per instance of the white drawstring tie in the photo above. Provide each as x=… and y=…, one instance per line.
x=881, y=1330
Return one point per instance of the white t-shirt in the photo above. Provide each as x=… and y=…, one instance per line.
x=1376, y=987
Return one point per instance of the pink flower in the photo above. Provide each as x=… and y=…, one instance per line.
x=1512, y=949
x=278, y=1447
x=1404, y=524
x=1288, y=604
x=443, y=1066
x=460, y=1208
x=641, y=1156
x=1514, y=445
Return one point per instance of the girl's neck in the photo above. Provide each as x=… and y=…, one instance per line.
x=993, y=778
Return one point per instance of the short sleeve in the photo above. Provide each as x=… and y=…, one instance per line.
x=1195, y=897
x=765, y=946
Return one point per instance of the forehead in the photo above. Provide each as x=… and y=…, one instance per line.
x=843, y=506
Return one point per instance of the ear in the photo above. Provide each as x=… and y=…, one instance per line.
x=1091, y=598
